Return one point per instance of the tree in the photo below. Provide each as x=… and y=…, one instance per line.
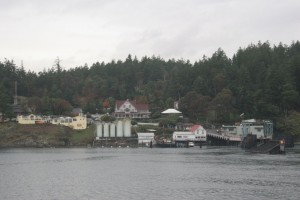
x=194, y=106
x=290, y=98
x=260, y=80
x=60, y=106
x=222, y=105
x=57, y=65
x=35, y=104
x=107, y=118
x=290, y=125
x=4, y=101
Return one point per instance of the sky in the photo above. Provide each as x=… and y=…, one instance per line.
x=79, y=32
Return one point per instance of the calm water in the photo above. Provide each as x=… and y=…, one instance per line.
x=137, y=174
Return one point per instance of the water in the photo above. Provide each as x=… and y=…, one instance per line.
x=136, y=174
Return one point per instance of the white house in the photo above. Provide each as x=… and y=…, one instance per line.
x=32, y=119
x=145, y=138
x=199, y=132
x=131, y=109
x=78, y=123
x=196, y=134
x=182, y=136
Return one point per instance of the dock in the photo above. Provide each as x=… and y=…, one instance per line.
x=271, y=147
x=220, y=139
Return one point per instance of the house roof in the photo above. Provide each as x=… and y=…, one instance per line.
x=76, y=110
x=249, y=121
x=138, y=106
x=183, y=132
x=171, y=111
x=195, y=127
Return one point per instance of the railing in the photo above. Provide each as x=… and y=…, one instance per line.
x=224, y=136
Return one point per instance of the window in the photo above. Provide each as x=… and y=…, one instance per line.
x=258, y=129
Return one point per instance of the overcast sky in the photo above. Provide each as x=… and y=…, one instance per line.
x=86, y=31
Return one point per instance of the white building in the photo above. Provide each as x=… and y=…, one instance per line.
x=199, y=132
x=145, y=138
x=131, y=109
x=78, y=123
x=182, y=136
x=196, y=134
x=247, y=127
x=33, y=119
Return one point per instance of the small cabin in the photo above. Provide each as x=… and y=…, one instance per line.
x=180, y=136
x=145, y=138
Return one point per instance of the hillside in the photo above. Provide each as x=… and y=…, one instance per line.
x=261, y=81
x=46, y=135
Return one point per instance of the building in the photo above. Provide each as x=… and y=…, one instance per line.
x=199, y=132
x=183, y=136
x=131, y=109
x=77, y=111
x=196, y=134
x=33, y=119
x=144, y=139
x=262, y=129
x=78, y=123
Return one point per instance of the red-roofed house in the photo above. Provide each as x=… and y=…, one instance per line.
x=196, y=134
x=131, y=109
x=199, y=132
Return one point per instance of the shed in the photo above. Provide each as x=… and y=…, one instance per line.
x=145, y=138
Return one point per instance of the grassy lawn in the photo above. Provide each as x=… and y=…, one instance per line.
x=84, y=136
x=12, y=134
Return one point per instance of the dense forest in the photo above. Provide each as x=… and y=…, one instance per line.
x=261, y=81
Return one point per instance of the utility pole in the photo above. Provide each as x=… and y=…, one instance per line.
x=16, y=93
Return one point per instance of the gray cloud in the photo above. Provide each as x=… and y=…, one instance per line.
x=86, y=31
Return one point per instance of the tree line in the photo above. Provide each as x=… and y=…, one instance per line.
x=261, y=81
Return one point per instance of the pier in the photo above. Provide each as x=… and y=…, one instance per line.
x=267, y=147
x=272, y=147
x=220, y=139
